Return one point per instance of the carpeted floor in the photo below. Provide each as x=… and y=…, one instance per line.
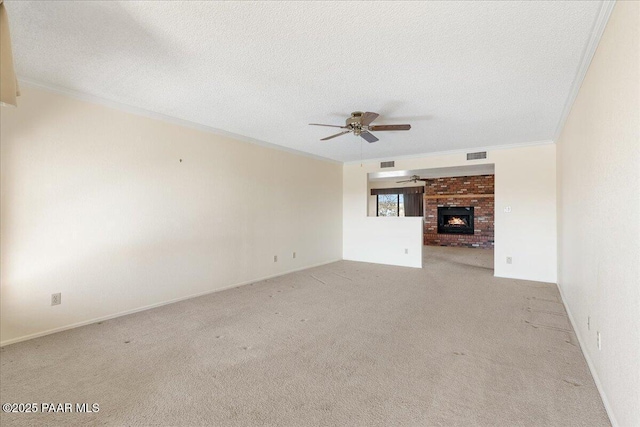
x=346, y=344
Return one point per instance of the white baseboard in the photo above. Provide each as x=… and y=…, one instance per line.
x=502, y=276
x=594, y=373
x=149, y=307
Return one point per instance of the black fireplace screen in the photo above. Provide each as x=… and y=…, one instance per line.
x=455, y=220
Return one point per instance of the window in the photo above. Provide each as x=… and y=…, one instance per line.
x=390, y=205
x=405, y=201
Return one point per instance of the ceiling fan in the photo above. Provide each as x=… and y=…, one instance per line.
x=414, y=179
x=360, y=125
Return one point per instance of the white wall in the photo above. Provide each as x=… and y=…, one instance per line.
x=525, y=181
x=599, y=214
x=385, y=240
x=382, y=240
x=96, y=204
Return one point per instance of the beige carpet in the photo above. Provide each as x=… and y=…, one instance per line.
x=347, y=344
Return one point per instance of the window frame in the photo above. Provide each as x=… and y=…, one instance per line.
x=397, y=204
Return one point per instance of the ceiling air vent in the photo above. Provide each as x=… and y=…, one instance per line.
x=477, y=156
x=387, y=164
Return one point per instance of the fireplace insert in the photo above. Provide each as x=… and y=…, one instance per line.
x=455, y=220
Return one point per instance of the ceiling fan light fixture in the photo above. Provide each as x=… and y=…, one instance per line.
x=359, y=124
x=413, y=178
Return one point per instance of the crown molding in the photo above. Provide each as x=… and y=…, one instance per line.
x=452, y=152
x=60, y=90
x=197, y=126
x=590, y=48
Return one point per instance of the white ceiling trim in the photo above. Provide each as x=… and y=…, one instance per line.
x=478, y=74
x=192, y=125
x=589, y=50
x=452, y=152
x=162, y=117
x=599, y=25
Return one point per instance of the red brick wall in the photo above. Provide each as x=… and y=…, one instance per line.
x=483, y=210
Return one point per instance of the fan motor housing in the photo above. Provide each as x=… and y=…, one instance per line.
x=360, y=124
x=355, y=121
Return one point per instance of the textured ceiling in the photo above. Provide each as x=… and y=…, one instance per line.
x=463, y=74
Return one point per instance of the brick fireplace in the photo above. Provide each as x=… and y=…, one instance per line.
x=460, y=199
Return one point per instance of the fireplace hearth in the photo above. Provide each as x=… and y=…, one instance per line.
x=455, y=220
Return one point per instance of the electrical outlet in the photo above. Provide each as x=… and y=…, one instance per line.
x=509, y=260
x=588, y=323
x=294, y=254
x=599, y=340
x=507, y=209
x=56, y=299
x=406, y=251
x=275, y=258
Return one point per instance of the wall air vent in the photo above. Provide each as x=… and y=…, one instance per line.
x=477, y=156
x=387, y=164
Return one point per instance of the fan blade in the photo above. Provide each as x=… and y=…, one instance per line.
x=368, y=136
x=337, y=134
x=331, y=126
x=390, y=127
x=402, y=182
x=368, y=117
